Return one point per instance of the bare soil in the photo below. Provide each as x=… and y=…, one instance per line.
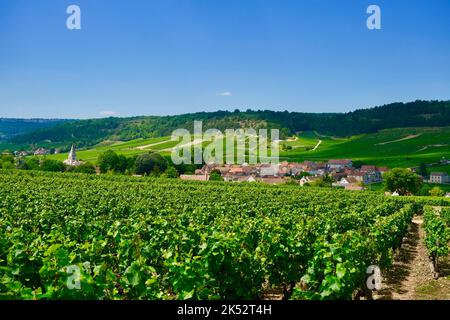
x=411, y=277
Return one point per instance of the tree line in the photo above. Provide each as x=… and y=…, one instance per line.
x=90, y=132
x=108, y=162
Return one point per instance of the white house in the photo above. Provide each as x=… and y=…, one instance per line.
x=339, y=164
x=439, y=177
x=347, y=182
x=41, y=152
x=304, y=180
x=272, y=170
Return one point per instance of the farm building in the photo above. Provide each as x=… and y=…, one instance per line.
x=339, y=164
x=439, y=177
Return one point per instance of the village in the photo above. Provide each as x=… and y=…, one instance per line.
x=339, y=173
x=342, y=172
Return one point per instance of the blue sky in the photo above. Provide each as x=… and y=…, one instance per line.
x=156, y=57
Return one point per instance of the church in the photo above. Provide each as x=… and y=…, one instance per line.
x=72, y=158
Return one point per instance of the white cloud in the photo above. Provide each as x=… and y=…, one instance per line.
x=107, y=113
x=226, y=94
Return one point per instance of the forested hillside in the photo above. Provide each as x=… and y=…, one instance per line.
x=11, y=127
x=397, y=115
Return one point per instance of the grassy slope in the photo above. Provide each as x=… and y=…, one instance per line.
x=128, y=148
x=370, y=148
x=439, y=169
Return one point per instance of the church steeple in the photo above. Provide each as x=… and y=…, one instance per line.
x=72, y=154
x=72, y=158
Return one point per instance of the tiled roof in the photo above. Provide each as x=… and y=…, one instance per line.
x=339, y=161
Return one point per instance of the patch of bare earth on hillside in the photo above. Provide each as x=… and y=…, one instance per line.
x=412, y=136
x=410, y=277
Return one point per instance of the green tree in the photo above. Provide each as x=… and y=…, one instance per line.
x=437, y=192
x=215, y=175
x=423, y=170
x=150, y=162
x=122, y=164
x=325, y=182
x=31, y=163
x=52, y=165
x=87, y=167
x=108, y=161
x=6, y=162
x=7, y=158
x=131, y=161
x=303, y=174
x=171, y=172
x=7, y=165
x=404, y=181
x=424, y=190
x=357, y=164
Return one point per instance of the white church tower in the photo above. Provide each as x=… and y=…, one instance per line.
x=72, y=158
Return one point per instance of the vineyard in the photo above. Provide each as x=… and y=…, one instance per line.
x=139, y=238
x=437, y=228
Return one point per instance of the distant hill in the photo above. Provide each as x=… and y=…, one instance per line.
x=12, y=127
x=94, y=131
x=398, y=147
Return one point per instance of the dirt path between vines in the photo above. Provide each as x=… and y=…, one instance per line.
x=410, y=278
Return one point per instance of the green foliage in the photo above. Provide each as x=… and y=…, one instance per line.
x=445, y=214
x=31, y=163
x=7, y=165
x=6, y=161
x=339, y=263
x=437, y=234
x=108, y=161
x=423, y=170
x=143, y=238
x=302, y=174
x=424, y=190
x=93, y=131
x=51, y=165
x=171, y=173
x=357, y=164
x=404, y=181
x=215, y=175
x=86, y=167
x=324, y=182
x=437, y=192
x=13, y=127
x=122, y=164
x=150, y=163
x=291, y=182
x=399, y=147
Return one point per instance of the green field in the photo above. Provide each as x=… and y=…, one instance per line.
x=406, y=147
x=439, y=169
x=129, y=148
